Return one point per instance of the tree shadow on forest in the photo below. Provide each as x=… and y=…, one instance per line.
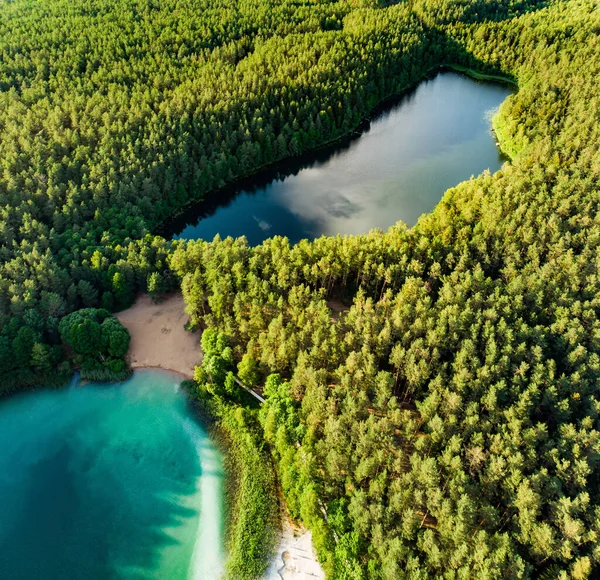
x=454, y=53
x=479, y=11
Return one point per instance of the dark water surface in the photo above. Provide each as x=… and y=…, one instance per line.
x=108, y=481
x=428, y=141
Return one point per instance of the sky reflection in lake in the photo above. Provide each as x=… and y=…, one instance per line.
x=432, y=139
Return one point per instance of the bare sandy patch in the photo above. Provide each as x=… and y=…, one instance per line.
x=295, y=558
x=158, y=337
x=337, y=308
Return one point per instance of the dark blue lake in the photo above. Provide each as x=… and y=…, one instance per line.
x=412, y=151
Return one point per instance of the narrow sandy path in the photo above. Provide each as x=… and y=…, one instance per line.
x=158, y=337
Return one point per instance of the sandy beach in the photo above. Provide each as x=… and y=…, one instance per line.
x=158, y=337
x=295, y=558
x=159, y=340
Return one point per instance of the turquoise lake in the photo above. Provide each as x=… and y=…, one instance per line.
x=109, y=481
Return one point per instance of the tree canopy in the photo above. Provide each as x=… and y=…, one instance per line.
x=445, y=424
x=98, y=340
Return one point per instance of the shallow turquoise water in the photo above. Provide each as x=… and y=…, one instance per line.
x=108, y=481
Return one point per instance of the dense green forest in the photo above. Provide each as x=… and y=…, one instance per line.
x=432, y=393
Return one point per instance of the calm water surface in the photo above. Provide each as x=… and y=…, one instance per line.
x=432, y=139
x=108, y=481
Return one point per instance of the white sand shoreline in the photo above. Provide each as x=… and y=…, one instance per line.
x=159, y=341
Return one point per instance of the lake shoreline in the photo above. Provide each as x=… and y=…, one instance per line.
x=295, y=556
x=291, y=164
x=292, y=545
x=158, y=336
x=105, y=480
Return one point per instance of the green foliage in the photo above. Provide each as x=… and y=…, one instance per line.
x=214, y=375
x=27, y=356
x=253, y=497
x=23, y=346
x=85, y=337
x=98, y=341
x=279, y=415
x=248, y=370
x=157, y=284
x=115, y=338
x=81, y=330
x=446, y=424
x=213, y=342
x=251, y=491
x=230, y=385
